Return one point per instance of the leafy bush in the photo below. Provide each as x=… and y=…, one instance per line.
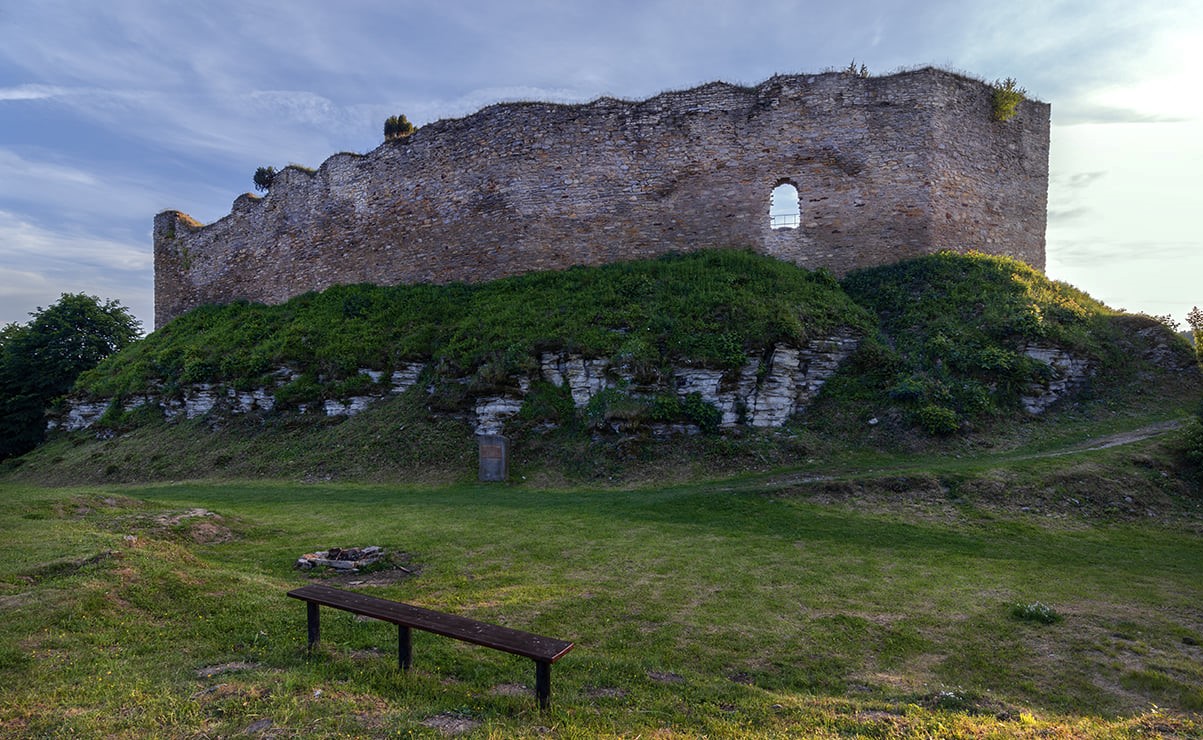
x=692, y=408
x=397, y=127
x=1195, y=319
x=304, y=389
x=936, y=420
x=1192, y=447
x=1007, y=97
x=264, y=176
x=956, y=327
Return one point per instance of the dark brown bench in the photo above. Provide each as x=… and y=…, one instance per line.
x=543, y=650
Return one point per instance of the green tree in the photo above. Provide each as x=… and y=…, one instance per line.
x=1195, y=319
x=40, y=361
x=264, y=177
x=397, y=127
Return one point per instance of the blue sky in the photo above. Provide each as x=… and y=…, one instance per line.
x=111, y=112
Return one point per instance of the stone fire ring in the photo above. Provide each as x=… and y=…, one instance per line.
x=349, y=559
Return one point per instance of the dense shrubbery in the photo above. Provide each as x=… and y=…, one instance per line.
x=954, y=328
x=707, y=308
x=1192, y=446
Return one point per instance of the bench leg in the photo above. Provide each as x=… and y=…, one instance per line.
x=543, y=683
x=405, y=649
x=315, y=624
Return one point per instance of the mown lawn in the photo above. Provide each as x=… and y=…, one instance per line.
x=697, y=611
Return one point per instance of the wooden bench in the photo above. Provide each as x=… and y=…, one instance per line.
x=543, y=650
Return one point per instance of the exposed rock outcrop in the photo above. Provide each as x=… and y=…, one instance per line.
x=1067, y=373
x=765, y=392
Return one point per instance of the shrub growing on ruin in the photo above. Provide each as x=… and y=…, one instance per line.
x=958, y=325
x=264, y=176
x=1007, y=97
x=397, y=127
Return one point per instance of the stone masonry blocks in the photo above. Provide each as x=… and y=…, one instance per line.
x=886, y=168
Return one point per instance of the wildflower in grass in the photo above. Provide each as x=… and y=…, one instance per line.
x=1035, y=612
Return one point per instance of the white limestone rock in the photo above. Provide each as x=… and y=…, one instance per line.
x=347, y=407
x=585, y=377
x=406, y=376
x=199, y=400
x=1068, y=372
x=492, y=413
x=81, y=416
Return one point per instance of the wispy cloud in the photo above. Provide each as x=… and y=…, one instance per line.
x=32, y=92
x=1068, y=196
x=1076, y=113
x=25, y=243
x=38, y=264
x=1070, y=252
x=78, y=194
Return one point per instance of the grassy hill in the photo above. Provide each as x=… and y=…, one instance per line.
x=707, y=308
x=941, y=365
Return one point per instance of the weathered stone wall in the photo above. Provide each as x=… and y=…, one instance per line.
x=886, y=168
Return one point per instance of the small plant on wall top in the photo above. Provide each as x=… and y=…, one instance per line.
x=1007, y=97
x=397, y=127
x=264, y=177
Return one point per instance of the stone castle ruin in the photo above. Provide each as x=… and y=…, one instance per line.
x=876, y=169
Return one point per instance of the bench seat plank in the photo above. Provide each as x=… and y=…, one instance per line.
x=536, y=647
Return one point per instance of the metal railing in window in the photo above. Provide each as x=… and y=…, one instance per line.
x=785, y=220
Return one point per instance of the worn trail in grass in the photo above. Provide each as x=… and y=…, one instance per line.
x=695, y=610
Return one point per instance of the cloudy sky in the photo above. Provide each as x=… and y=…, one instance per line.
x=113, y=111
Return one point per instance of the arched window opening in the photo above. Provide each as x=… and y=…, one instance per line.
x=784, y=211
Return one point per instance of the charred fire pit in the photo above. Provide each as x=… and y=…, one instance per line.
x=349, y=559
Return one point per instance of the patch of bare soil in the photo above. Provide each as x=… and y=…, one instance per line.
x=198, y=526
x=452, y=723
x=216, y=670
x=510, y=689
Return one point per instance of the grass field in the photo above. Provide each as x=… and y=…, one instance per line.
x=742, y=608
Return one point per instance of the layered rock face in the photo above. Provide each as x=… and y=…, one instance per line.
x=765, y=392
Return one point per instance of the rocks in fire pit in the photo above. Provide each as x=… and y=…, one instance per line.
x=349, y=559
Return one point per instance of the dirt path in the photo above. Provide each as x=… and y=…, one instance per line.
x=1116, y=440
x=1097, y=443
